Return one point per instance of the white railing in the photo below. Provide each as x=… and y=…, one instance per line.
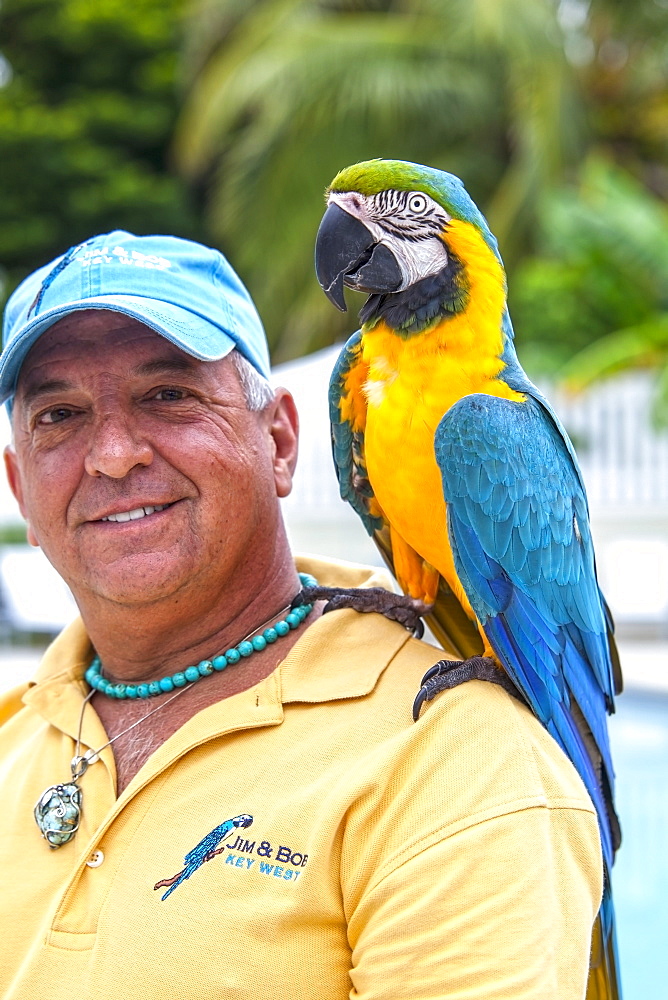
x=624, y=458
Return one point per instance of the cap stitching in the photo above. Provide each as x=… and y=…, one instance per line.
x=53, y=274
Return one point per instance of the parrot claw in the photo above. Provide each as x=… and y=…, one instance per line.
x=435, y=670
x=420, y=699
x=450, y=673
x=397, y=607
x=418, y=631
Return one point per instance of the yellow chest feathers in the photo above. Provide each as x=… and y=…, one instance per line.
x=457, y=356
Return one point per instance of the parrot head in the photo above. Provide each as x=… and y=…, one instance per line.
x=408, y=235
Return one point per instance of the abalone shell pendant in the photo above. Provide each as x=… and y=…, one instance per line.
x=58, y=813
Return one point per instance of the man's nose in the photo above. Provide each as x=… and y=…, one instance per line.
x=117, y=446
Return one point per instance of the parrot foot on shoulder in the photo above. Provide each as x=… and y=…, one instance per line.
x=399, y=608
x=450, y=673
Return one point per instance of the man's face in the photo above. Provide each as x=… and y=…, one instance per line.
x=111, y=419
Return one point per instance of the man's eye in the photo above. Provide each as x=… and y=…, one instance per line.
x=169, y=395
x=54, y=416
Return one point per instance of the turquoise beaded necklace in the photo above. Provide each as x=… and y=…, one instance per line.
x=254, y=642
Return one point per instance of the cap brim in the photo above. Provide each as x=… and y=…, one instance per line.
x=193, y=334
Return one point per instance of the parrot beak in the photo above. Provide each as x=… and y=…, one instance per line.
x=346, y=253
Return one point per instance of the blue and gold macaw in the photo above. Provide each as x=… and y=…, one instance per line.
x=460, y=469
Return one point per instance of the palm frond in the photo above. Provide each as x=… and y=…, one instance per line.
x=296, y=89
x=642, y=346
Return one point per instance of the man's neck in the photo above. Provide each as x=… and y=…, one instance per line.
x=130, y=754
x=142, y=642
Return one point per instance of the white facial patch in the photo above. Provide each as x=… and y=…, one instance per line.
x=409, y=223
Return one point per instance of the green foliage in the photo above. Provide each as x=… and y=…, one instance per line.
x=85, y=119
x=284, y=93
x=281, y=94
x=594, y=301
x=599, y=278
x=625, y=83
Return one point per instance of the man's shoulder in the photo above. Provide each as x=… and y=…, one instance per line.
x=474, y=735
x=477, y=729
x=476, y=759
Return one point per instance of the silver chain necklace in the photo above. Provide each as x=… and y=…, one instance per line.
x=58, y=809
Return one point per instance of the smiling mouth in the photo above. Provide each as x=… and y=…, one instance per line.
x=137, y=513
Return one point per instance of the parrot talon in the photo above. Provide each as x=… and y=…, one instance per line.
x=433, y=671
x=420, y=699
x=299, y=599
x=418, y=631
x=448, y=674
x=397, y=607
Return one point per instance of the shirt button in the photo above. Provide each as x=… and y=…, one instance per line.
x=96, y=859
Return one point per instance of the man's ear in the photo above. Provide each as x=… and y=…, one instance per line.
x=16, y=486
x=284, y=429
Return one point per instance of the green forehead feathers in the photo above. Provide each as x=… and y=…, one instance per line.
x=372, y=176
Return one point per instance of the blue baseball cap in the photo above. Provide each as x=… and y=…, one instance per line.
x=184, y=291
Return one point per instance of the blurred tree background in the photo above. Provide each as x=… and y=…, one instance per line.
x=225, y=120
x=88, y=104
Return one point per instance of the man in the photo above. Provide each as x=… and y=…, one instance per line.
x=232, y=798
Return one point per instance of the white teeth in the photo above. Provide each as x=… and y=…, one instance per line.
x=134, y=515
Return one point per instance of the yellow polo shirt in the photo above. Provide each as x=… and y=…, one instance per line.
x=358, y=854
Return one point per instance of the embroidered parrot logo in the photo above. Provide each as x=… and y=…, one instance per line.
x=207, y=849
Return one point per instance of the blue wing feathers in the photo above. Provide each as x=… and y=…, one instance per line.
x=590, y=698
x=500, y=503
x=533, y=626
x=549, y=698
x=566, y=733
x=500, y=533
x=472, y=566
x=513, y=498
x=537, y=688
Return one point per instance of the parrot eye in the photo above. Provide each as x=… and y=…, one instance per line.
x=417, y=203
